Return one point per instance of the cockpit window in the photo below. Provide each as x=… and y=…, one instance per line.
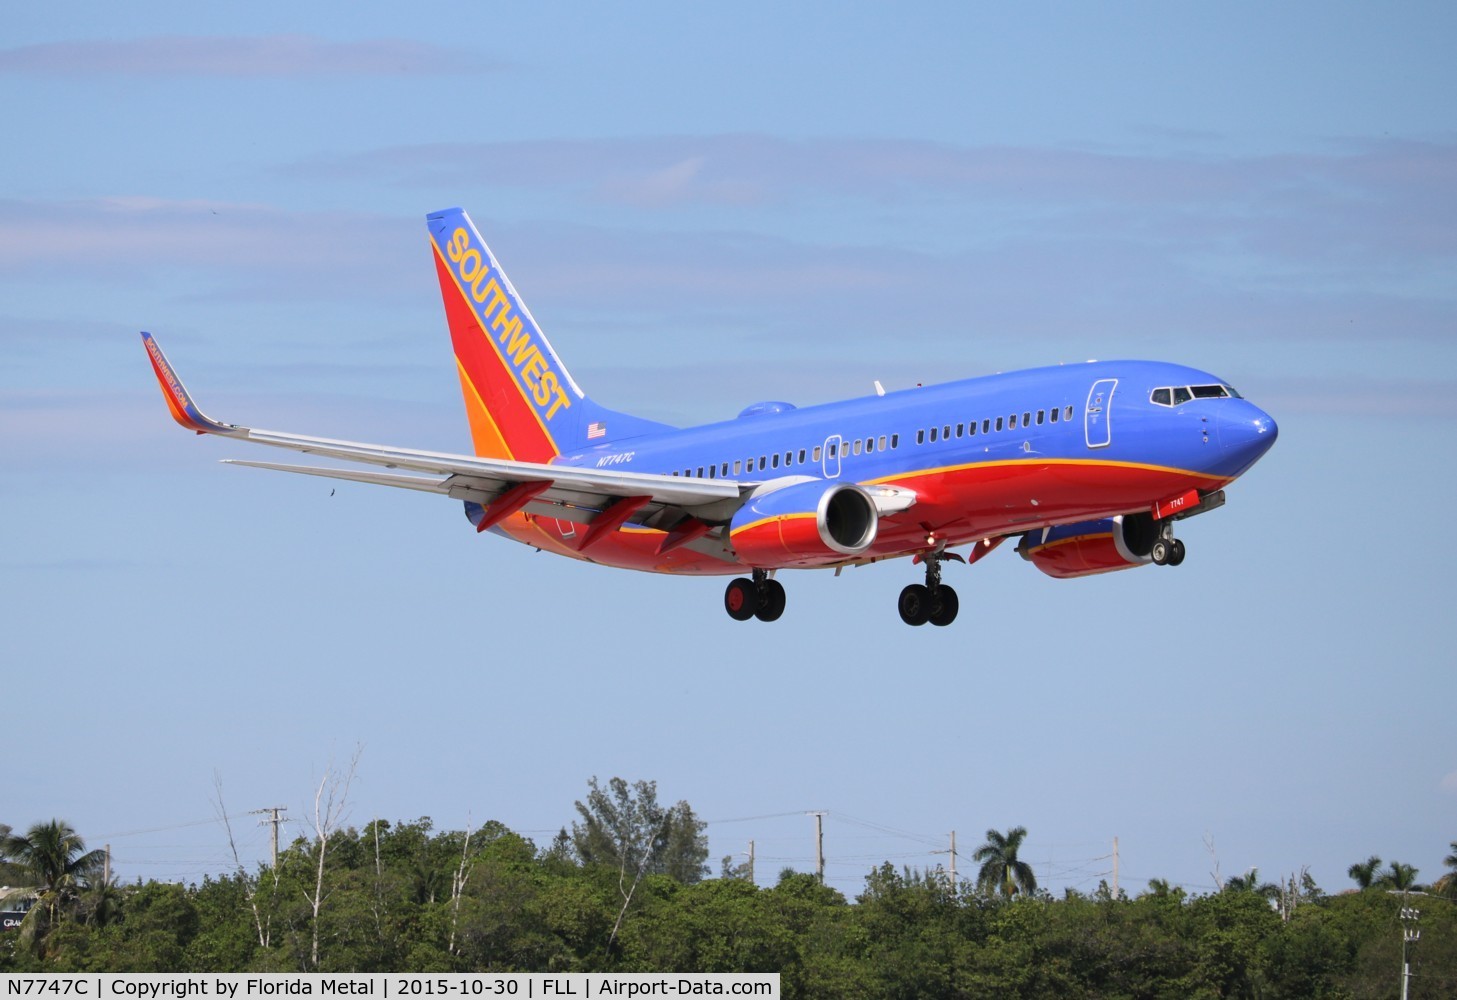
x=1174, y=395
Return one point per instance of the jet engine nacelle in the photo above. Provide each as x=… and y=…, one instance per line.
x=1072, y=550
x=808, y=523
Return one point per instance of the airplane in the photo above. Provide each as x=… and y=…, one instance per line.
x=1088, y=466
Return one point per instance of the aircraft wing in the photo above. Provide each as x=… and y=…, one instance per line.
x=570, y=493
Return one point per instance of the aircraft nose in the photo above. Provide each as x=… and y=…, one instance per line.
x=1246, y=432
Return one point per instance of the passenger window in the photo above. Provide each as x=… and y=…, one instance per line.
x=738, y=467
x=946, y=433
x=1054, y=414
x=834, y=449
x=700, y=472
x=788, y=459
x=763, y=463
x=855, y=448
x=1039, y=418
x=971, y=429
x=1181, y=395
x=869, y=445
x=801, y=456
x=1027, y=419
x=895, y=440
x=1012, y=422
x=933, y=435
x=724, y=470
x=816, y=453
x=711, y=471
x=999, y=423
x=920, y=437
x=1067, y=412
x=882, y=442
x=774, y=460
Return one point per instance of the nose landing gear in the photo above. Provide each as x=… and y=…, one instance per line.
x=762, y=598
x=1166, y=549
x=932, y=601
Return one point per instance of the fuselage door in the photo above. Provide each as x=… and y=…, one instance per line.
x=1096, y=424
x=830, y=461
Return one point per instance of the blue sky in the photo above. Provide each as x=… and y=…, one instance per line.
x=705, y=208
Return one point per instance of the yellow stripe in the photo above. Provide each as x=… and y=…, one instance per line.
x=1002, y=463
x=766, y=520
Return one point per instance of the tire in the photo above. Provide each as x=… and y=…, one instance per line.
x=741, y=600
x=947, y=604
x=915, y=605
x=772, y=599
x=1176, y=553
x=1159, y=552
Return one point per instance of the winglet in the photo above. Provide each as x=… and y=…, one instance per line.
x=184, y=410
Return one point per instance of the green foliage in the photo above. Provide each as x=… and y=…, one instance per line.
x=1363, y=873
x=407, y=897
x=1001, y=870
x=624, y=828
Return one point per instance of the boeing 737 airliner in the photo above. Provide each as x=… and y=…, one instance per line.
x=1087, y=465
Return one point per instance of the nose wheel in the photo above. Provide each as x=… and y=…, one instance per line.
x=762, y=598
x=1166, y=549
x=932, y=601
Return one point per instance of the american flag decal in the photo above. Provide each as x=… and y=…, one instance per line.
x=596, y=430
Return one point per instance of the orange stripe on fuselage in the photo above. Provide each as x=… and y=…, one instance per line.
x=486, y=377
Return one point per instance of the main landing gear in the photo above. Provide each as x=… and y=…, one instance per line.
x=1166, y=549
x=932, y=601
x=761, y=598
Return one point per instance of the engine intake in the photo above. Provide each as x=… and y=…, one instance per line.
x=807, y=523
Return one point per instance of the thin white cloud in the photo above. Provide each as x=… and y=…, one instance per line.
x=239, y=56
x=239, y=246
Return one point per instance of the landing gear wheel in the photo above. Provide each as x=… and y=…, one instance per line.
x=946, y=605
x=1159, y=551
x=915, y=604
x=741, y=599
x=1176, y=553
x=771, y=601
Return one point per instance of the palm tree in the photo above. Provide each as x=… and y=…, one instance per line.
x=1399, y=877
x=1001, y=871
x=1447, y=884
x=1250, y=882
x=1364, y=872
x=53, y=858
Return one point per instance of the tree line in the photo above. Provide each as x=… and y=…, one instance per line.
x=626, y=889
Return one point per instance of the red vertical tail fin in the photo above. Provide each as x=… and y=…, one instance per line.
x=521, y=401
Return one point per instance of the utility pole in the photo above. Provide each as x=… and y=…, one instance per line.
x=1410, y=934
x=953, y=861
x=1115, y=867
x=751, y=862
x=275, y=819
x=820, y=847
x=106, y=868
